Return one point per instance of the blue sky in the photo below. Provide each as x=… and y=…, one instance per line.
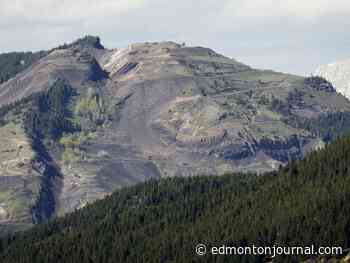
x=291, y=35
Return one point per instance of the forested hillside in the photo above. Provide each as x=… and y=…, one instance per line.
x=15, y=62
x=308, y=202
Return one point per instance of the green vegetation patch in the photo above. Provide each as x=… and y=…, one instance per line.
x=91, y=110
x=73, y=146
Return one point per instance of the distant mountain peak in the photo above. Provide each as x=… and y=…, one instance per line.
x=338, y=73
x=88, y=41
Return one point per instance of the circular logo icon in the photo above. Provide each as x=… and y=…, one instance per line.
x=201, y=249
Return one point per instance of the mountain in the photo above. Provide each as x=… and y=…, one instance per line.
x=83, y=121
x=338, y=74
x=306, y=203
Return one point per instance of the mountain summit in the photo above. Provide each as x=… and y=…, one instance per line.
x=83, y=121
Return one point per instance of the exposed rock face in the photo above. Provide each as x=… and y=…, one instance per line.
x=159, y=109
x=20, y=183
x=338, y=74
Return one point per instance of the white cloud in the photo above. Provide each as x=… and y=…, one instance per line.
x=252, y=30
x=304, y=9
x=63, y=10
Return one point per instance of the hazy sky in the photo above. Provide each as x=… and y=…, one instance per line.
x=285, y=35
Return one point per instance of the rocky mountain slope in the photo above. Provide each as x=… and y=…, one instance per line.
x=83, y=121
x=338, y=74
